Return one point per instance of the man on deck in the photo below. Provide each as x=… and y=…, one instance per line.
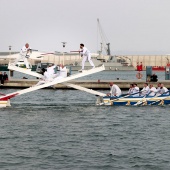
x=114, y=90
x=85, y=53
x=62, y=73
x=24, y=54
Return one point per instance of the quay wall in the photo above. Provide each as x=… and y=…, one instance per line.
x=91, y=84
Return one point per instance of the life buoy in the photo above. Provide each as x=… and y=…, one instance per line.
x=139, y=75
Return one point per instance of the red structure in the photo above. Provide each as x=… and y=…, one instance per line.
x=139, y=67
x=158, y=68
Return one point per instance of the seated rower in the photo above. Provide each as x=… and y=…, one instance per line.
x=163, y=90
x=130, y=89
x=135, y=90
x=152, y=90
x=145, y=90
x=158, y=87
x=114, y=90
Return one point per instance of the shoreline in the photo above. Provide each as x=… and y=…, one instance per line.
x=90, y=84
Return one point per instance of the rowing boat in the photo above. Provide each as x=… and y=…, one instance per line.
x=163, y=99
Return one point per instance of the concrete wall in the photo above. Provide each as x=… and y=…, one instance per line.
x=147, y=60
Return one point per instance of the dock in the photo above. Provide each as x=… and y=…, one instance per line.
x=91, y=84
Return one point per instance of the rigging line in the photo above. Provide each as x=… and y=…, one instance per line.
x=103, y=33
x=103, y=37
x=97, y=38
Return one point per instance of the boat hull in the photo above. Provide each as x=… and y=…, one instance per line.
x=136, y=101
x=4, y=103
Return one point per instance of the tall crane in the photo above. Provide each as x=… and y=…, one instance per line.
x=104, y=40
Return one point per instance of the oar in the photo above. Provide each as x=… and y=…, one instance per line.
x=160, y=99
x=126, y=95
x=2, y=94
x=141, y=101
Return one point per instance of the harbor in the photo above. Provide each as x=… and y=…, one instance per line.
x=81, y=95
x=91, y=84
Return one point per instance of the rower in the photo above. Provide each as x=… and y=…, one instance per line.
x=152, y=90
x=114, y=90
x=163, y=90
x=145, y=89
x=158, y=87
x=135, y=90
x=130, y=89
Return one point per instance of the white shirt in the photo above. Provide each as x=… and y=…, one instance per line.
x=50, y=70
x=85, y=51
x=136, y=90
x=24, y=50
x=158, y=89
x=63, y=72
x=115, y=90
x=145, y=90
x=152, y=91
x=130, y=91
x=163, y=90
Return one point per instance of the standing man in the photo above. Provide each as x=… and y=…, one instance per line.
x=24, y=54
x=114, y=90
x=85, y=53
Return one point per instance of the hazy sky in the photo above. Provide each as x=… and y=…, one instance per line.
x=131, y=26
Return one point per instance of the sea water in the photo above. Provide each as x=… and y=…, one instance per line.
x=64, y=129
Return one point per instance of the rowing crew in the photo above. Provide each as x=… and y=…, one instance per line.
x=149, y=90
x=134, y=90
x=50, y=74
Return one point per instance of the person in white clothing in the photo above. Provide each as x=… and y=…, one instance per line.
x=48, y=75
x=158, y=87
x=130, y=89
x=114, y=90
x=85, y=53
x=145, y=90
x=152, y=90
x=163, y=90
x=51, y=72
x=135, y=90
x=24, y=55
x=62, y=73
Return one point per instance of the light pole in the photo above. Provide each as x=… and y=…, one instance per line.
x=64, y=44
x=10, y=49
x=10, y=71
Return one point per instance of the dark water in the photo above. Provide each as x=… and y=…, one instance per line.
x=58, y=129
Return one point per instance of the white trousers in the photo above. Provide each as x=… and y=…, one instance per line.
x=84, y=60
x=22, y=57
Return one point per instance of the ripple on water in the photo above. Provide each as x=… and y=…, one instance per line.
x=65, y=130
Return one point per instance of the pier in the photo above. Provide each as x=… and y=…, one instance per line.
x=91, y=84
